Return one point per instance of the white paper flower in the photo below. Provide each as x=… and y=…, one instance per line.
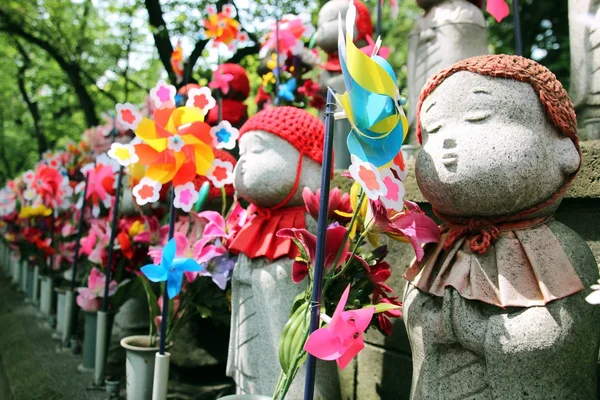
x=147, y=191
x=211, y=9
x=163, y=95
x=28, y=176
x=124, y=154
x=175, y=143
x=128, y=115
x=242, y=38
x=30, y=194
x=368, y=176
x=185, y=196
x=394, y=198
x=220, y=173
x=224, y=135
x=228, y=10
x=594, y=297
x=201, y=98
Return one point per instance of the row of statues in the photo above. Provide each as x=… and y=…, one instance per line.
x=496, y=309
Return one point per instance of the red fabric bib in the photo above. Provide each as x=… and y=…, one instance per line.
x=258, y=237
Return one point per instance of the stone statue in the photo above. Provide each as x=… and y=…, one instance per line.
x=331, y=76
x=585, y=65
x=497, y=309
x=449, y=31
x=280, y=153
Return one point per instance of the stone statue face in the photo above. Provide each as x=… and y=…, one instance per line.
x=488, y=148
x=266, y=170
x=327, y=29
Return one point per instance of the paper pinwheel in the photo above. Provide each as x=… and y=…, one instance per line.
x=221, y=81
x=171, y=269
x=342, y=339
x=292, y=29
x=497, y=9
x=177, y=61
x=221, y=27
x=286, y=90
x=177, y=144
x=371, y=102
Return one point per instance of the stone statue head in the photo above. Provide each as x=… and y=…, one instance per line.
x=281, y=151
x=327, y=25
x=428, y=4
x=499, y=138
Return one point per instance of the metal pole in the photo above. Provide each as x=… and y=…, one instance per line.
x=315, y=306
x=517, y=22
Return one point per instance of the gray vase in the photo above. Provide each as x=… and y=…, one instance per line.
x=89, y=342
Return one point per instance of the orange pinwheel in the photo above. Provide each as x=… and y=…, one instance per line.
x=177, y=145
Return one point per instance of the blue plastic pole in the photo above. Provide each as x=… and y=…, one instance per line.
x=518, y=34
x=165, y=309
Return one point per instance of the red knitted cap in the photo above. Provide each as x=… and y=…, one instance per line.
x=554, y=98
x=240, y=83
x=298, y=127
x=234, y=111
x=364, y=25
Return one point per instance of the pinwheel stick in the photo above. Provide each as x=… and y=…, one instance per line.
x=311, y=366
x=165, y=310
x=518, y=34
x=277, y=71
x=103, y=326
x=379, y=12
x=69, y=304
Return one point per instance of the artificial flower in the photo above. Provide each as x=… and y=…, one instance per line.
x=152, y=233
x=185, y=196
x=89, y=297
x=100, y=187
x=177, y=312
x=287, y=35
x=224, y=135
x=95, y=243
x=125, y=245
x=39, y=210
x=369, y=178
x=498, y=9
x=394, y=196
x=147, y=191
x=49, y=185
x=171, y=269
x=220, y=173
x=342, y=338
x=339, y=206
x=128, y=115
x=334, y=241
x=124, y=154
x=201, y=98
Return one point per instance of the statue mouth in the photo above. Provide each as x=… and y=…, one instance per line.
x=449, y=159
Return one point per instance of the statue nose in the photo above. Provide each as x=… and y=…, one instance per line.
x=449, y=143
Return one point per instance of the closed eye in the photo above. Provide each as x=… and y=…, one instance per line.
x=478, y=116
x=433, y=129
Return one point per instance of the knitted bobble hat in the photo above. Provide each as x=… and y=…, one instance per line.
x=364, y=25
x=298, y=127
x=240, y=85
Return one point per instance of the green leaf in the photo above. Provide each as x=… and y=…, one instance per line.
x=383, y=307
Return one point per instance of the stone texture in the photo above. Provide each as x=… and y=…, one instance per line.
x=262, y=290
x=500, y=120
x=449, y=31
x=585, y=66
x=505, y=157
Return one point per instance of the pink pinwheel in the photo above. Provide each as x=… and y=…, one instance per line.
x=48, y=184
x=101, y=182
x=292, y=29
x=221, y=81
x=498, y=9
x=89, y=297
x=342, y=339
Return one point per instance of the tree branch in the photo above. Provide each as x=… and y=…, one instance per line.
x=72, y=70
x=42, y=141
x=246, y=51
x=162, y=40
x=104, y=92
x=192, y=59
x=7, y=168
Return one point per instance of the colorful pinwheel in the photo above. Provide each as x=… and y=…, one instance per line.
x=171, y=269
x=177, y=61
x=371, y=101
x=100, y=187
x=221, y=27
x=177, y=144
x=292, y=29
x=221, y=81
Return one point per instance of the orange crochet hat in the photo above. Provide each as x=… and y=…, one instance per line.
x=553, y=96
x=298, y=127
x=240, y=85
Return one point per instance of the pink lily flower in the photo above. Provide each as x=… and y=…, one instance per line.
x=95, y=243
x=158, y=318
x=153, y=233
x=89, y=297
x=411, y=225
x=342, y=339
x=498, y=9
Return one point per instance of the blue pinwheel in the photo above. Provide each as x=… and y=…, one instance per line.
x=286, y=90
x=171, y=269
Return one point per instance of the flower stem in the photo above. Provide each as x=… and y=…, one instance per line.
x=223, y=201
x=361, y=198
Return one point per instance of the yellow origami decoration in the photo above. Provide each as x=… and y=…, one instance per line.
x=175, y=146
